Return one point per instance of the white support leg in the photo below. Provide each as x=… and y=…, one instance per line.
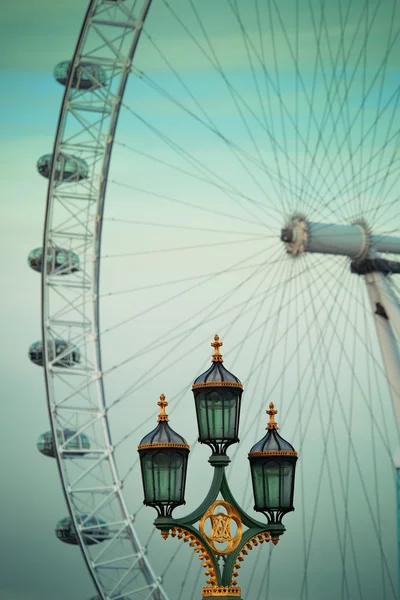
x=388, y=301
x=387, y=340
x=391, y=358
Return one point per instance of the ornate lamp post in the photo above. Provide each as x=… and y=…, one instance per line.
x=224, y=528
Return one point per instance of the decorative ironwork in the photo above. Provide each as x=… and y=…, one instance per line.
x=221, y=527
x=220, y=592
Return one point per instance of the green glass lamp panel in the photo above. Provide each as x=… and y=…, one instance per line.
x=148, y=479
x=176, y=477
x=162, y=482
x=259, y=486
x=287, y=473
x=272, y=484
x=217, y=415
x=163, y=477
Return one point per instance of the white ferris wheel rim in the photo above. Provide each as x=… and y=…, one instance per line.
x=138, y=554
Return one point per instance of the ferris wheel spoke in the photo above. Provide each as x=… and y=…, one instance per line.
x=179, y=294
x=364, y=345
x=288, y=360
x=279, y=303
x=206, y=174
x=392, y=22
x=168, y=337
x=381, y=192
x=330, y=430
x=203, y=169
x=318, y=60
x=243, y=310
x=178, y=281
x=347, y=118
x=271, y=125
x=244, y=158
x=333, y=91
x=370, y=368
x=283, y=289
x=139, y=382
x=226, y=188
x=180, y=337
x=363, y=484
x=319, y=127
x=300, y=80
x=378, y=117
x=339, y=117
x=279, y=374
x=191, y=205
x=350, y=364
x=182, y=248
x=268, y=124
x=189, y=227
x=275, y=89
x=236, y=97
x=349, y=361
x=285, y=114
x=383, y=175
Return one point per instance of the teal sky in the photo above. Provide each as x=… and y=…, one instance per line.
x=33, y=38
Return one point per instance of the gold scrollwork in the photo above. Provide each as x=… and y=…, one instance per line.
x=221, y=527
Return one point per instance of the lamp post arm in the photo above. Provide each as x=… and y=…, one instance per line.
x=202, y=548
x=193, y=517
x=250, y=538
x=229, y=497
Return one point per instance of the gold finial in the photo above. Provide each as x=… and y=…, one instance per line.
x=271, y=412
x=162, y=403
x=216, y=344
x=165, y=534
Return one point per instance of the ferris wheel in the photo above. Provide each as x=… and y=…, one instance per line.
x=249, y=153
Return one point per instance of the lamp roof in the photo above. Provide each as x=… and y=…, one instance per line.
x=163, y=436
x=272, y=443
x=217, y=375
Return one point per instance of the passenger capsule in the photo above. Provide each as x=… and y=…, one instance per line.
x=95, y=530
x=59, y=261
x=87, y=76
x=68, y=168
x=77, y=446
x=69, y=353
